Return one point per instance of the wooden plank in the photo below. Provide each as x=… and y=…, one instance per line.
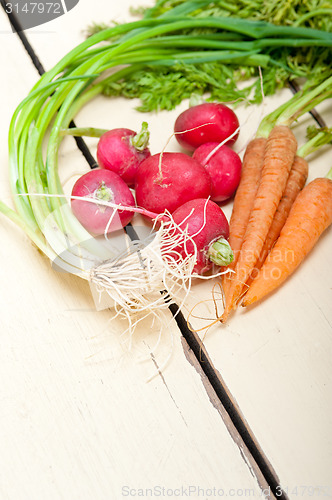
x=78, y=419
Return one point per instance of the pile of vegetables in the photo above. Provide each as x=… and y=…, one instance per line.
x=274, y=224
x=168, y=186
x=189, y=38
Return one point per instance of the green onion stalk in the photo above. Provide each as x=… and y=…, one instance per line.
x=39, y=122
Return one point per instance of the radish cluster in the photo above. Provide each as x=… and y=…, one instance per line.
x=183, y=187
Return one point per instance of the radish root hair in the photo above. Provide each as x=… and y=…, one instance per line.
x=145, y=281
x=261, y=113
x=147, y=276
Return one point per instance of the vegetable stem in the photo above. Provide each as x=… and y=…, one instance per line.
x=312, y=13
x=83, y=131
x=324, y=136
x=329, y=174
x=299, y=104
x=220, y=252
x=306, y=102
x=140, y=141
x=34, y=236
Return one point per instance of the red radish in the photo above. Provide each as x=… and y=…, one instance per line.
x=207, y=122
x=121, y=150
x=208, y=228
x=166, y=181
x=105, y=186
x=224, y=167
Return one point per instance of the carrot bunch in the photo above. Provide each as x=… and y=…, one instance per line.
x=275, y=220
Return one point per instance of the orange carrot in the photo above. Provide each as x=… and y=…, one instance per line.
x=278, y=159
x=243, y=201
x=295, y=183
x=310, y=215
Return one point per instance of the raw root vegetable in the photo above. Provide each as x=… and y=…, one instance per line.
x=310, y=216
x=207, y=122
x=207, y=227
x=295, y=183
x=223, y=166
x=102, y=185
x=121, y=150
x=167, y=180
x=278, y=159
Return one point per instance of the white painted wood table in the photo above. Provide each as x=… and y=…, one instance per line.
x=78, y=419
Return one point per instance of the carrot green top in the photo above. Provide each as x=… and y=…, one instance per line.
x=298, y=105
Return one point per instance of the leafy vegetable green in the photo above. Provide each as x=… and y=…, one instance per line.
x=164, y=85
x=309, y=13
